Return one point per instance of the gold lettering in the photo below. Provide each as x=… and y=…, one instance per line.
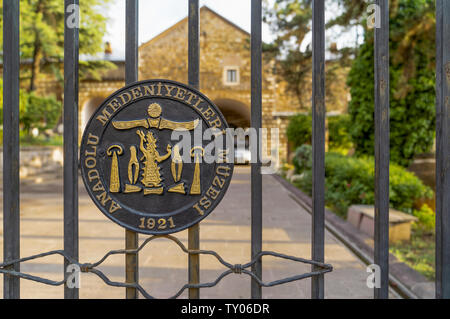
x=136, y=93
x=216, y=123
x=159, y=85
x=198, y=209
x=103, y=198
x=200, y=100
x=121, y=96
x=90, y=162
x=212, y=192
x=91, y=153
x=91, y=176
x=190, y=96
x=104, y=117
x=180, y=93
x=114, y=206
x=205, y=202
x=169, y=89
x=218, y=182
x=114, y=105
x=208, y=113
x=149, y=90
x=223, y=170
x=98, y=187
x=93, y=139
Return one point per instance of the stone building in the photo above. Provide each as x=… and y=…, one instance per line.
x=224, y=66
x=224, y=75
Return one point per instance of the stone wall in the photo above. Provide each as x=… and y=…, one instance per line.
x=37, y=160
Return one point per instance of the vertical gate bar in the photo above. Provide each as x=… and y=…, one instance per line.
x=318, y=138
x=443, y=149
x=11, y=201
x=194, y=80
x=71, y=45
x=256, y=123
x=131, y=75
x=381, y=254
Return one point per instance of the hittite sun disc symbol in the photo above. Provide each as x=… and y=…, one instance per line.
x=143, y=157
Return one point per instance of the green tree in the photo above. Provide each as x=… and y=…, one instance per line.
x=299, y=130
x=39, y=112
x=412, y=80
x=291, y=21
x=42, y=36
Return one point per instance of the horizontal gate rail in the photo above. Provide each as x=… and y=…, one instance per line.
x=11, y=201
x=320, y=268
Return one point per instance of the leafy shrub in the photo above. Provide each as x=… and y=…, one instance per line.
x=40, y=112
x=299, y=130
x=302, y=158
x=35, y=111
x=338, y=132
x=427, y=218
x=350, y=180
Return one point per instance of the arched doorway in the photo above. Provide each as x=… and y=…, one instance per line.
x=236, y=113
x=89, y=108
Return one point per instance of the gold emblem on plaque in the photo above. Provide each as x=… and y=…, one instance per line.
x=114, y=184
x=151, y=181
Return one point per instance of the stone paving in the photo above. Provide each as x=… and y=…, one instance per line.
x=163, y=266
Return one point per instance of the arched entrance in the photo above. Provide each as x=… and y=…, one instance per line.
x=236, y=113
x=89, y=108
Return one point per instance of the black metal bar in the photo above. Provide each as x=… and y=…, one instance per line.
x=194, y=80
x=131, y=75
x=11, y=147
x=194, y=44
x=71, y=46
x=381, y=254
x=194, y=261
x=131, y=264
x=256, y=123
x=442, y=149
x=318, y=138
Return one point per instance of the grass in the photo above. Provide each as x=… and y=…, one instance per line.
x=419, y=253
x=55, y=140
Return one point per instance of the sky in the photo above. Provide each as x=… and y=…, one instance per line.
x=155, y=16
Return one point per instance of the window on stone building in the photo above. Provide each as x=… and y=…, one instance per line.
x=231, y=75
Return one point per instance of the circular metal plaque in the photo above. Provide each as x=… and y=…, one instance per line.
x=151, y=159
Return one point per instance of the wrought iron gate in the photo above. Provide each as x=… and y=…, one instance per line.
x=10, y=267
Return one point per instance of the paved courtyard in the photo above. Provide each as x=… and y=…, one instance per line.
x=163, y=266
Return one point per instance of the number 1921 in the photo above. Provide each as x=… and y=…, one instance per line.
x=159, y=223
